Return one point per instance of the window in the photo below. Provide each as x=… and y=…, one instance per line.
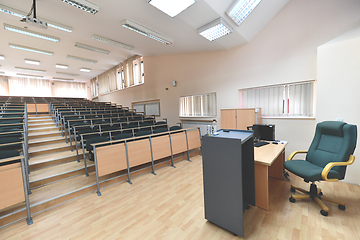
x=120, y=81
x=151, y=107
x=202, y=105
x=292, y=99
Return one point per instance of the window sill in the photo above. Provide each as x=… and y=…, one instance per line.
x=289, y=117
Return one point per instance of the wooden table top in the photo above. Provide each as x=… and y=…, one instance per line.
x=267, y=154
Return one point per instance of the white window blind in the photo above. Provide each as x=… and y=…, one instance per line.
x=293, y=99
x=151, y=107
x=202, y=105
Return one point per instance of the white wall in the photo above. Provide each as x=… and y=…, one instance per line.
x=339, y=86
x=284, y=51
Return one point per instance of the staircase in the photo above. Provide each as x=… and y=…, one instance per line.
x=55, y=174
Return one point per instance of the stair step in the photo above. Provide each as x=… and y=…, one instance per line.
x=52, y=159
x=42, y=129
x=46, y=140
x=48, y=148
x=43, y=124
x=59, y=172
x=34, y=121
x=44, y=134
x=40, y=118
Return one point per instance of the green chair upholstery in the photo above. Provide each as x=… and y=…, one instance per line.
x=122, y=136
x=326, y=160
x=92, y=141
x=173, y=128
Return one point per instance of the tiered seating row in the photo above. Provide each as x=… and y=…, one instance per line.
x=123, y=154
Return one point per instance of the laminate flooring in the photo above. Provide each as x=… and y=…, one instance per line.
x=170, y=205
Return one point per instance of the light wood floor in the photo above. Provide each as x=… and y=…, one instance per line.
x=170, y=206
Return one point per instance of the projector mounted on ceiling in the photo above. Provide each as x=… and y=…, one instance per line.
x=33, y=20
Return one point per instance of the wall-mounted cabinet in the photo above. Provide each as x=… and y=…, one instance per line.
x=240, y=118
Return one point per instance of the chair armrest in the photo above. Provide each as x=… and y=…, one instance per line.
x=330, y=165
x=294, y=153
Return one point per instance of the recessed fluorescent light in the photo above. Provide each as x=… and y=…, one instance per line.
x=68, y=74
x=87, y=47
x=29, y=76
x=83, y=5
x=63, y=79
x=240, y=9
x=30, y=69
x=33, y=62
x=21, y=14
x=215, y=29
x=30, y=33
x=62, y=66
x=81, y=59
x=172, y=7
x=2, y=72
x=146, y=31
x=30, y=49
x=2, y=57
x=113, y=42
x=85, y=70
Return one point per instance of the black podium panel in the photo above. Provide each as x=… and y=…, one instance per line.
x=228, y=174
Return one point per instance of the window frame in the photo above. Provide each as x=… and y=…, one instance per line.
x=183, y=101
x=148, y=102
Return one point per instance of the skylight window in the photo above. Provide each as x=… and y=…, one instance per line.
x=215, y=29
x=172, y=7
x=240, y=9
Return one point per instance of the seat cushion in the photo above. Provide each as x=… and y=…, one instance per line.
x=308, y=171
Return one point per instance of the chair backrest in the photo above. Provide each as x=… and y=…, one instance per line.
x=333, y=142
x=160, y=130
x=173, y=128
x=95, y=140
x=122, y=136
x=143, y=132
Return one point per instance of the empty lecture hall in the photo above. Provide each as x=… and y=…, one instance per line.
x=179, y=119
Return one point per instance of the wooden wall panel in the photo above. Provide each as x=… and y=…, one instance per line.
x=111, y=158
x=161, y=147
x=139, y=152
x=193, y=139
x=11, y=187
x=42, y=107
x=31, y=108
x=228, y=118
x=178, y=141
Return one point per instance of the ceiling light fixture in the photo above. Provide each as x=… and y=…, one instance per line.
x=61, y=66
x=63, y=79
x=29, y=76
x=30, y=69
x=113, y=42
x=30, y=33
x=172, y=7
x=2, y=73
x=33, y=62
x=21, y=14
x=215, y=29
x=85, y=70
x=68, y=74
x=81, y=59
x=240, y=9
x=87, y=47
x=146, y=31
x=2, y=57
x=83, y=5
x=15, y=46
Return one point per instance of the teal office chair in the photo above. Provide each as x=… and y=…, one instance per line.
x=326, y=160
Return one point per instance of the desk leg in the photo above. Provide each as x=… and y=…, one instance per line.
x=276, y=169
x=261, y=186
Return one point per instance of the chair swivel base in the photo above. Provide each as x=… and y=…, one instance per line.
x=316, y=195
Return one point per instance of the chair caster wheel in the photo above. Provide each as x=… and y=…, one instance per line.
x=292, y=189
x=291, y=199
x=324, y=213
x=341, y=207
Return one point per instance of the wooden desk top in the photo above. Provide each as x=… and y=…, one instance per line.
x=267, y=154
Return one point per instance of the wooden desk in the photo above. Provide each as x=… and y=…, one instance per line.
x=269, y=161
